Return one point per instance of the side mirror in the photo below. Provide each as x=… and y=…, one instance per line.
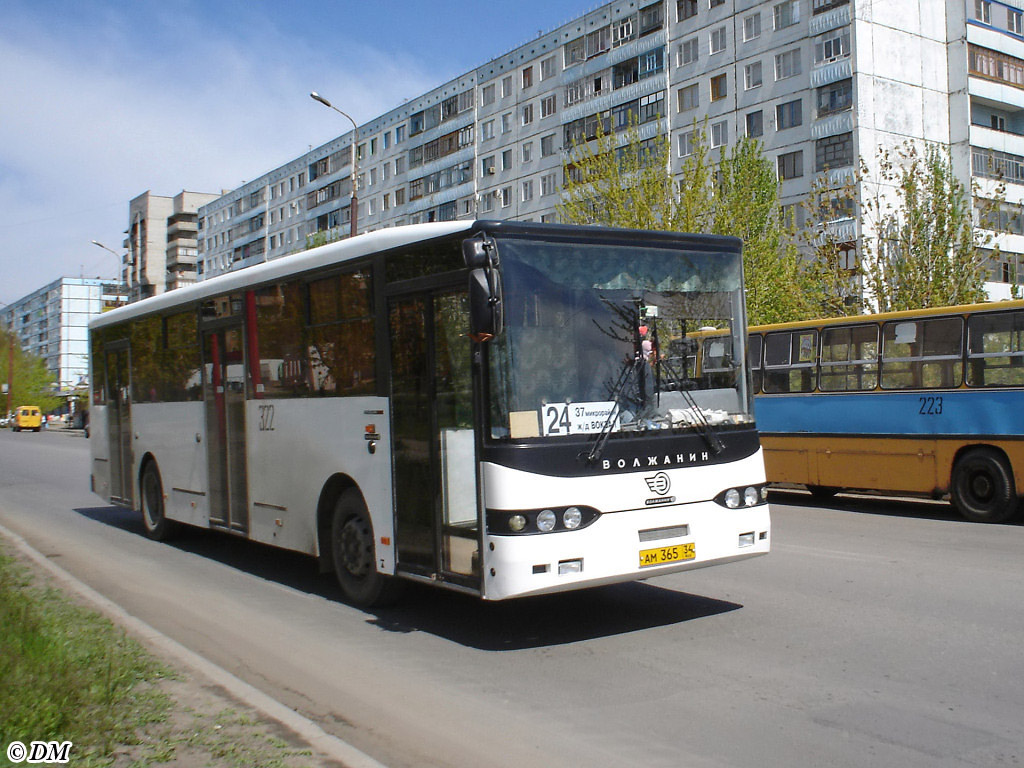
x=485, y=307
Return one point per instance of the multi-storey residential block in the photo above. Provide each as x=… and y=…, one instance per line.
x=162, y=242
x=822, y=83
x=52, y=323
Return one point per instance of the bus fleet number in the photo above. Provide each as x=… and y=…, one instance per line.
x=930, y=406
x=266, y=418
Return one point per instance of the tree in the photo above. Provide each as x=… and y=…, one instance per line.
x=31, y=383
x=632, y=186
x=920, y=245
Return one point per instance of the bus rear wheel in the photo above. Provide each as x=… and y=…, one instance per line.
x=157, y=526
x=353, y=552
x=982, y=487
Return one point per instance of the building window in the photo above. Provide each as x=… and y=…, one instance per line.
x=995, y=66
x=527, y=114
x=1015, y=21
x=752, y=75
x=574, y=52
x=786, y=14
x=789, y=115
x=623, y=31
x=652, y=106
x=506, y=122
x=755, y=124
x=527, y=190
x=527, y=153
x=719, y=134
x=399, y=134
x=506, y=86
x=487, y=95
x=832, y=46
x=652, y=62
x=791, y=165
x=528, y=77
x=686, y=9
x=715, y=3
x=506, y=160
x=686, y=142
x=787, y=64
x=487, y=166
x=689, y=51
x=487, y=130
x=688, y=97
x=835, y=97
x=548, y=184
x=719, y=87
x=548, y=106
x=751, y=26
x=718, y=40
x=833, y=152
x=983, y=11
x=548, y=68
x=506, y=197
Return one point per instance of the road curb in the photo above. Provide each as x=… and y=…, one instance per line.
x=317, y=737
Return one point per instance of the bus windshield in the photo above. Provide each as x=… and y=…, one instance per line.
x=612, y=340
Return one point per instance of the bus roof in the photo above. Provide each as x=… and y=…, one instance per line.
x=322, y=256
x=992, y=306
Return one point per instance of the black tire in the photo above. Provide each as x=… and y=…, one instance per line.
x=982, y=486
x=151, y=491
x=822, y=491
x=354, y=554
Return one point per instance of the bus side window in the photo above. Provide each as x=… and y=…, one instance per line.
x=995, y=352
x=922, y=354
x=790, y=361
x=754, y=344
x=849, y=358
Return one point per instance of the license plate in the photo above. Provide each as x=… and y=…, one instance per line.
x=663, y=555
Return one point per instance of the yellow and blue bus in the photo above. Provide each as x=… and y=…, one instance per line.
x=924, y=403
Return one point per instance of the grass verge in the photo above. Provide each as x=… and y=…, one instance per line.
x=69, y=674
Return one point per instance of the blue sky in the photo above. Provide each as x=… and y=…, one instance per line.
x=102, y=101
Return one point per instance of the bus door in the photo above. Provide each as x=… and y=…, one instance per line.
x=224, y=395
x=119, y=422
x=437, y=519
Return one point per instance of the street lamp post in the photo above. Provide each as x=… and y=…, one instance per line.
x=354, y=209
x=120, y=258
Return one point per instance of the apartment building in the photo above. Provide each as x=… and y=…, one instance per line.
x=821, y=83
x=161, y=240
x=52, y=323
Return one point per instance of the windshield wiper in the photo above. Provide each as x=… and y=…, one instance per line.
x=703, y=425
x=601, y=438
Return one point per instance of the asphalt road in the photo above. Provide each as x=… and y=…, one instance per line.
x=877, y=633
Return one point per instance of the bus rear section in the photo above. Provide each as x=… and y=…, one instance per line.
x=923, y=403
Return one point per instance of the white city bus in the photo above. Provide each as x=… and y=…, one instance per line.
x=498, y=408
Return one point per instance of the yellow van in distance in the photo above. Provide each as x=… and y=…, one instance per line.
x=28, y=417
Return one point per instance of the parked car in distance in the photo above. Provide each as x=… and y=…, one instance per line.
x=28, y=417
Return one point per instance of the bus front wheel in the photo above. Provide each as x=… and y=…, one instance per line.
x=982, y=487
x=353, y=552
x=157, y=526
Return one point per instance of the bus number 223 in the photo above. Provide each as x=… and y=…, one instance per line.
x=930, y=406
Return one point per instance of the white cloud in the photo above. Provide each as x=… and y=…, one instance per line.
x=90, y=118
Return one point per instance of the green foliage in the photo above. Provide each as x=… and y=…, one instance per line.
x=920, y=245
x=632, y=186
x=69, y=675
x=32, y=382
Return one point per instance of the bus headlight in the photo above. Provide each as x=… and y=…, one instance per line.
x=523, y=522
x=546, y=521
x=572, y=517
x=744, y=496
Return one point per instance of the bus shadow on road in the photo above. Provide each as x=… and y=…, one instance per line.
x=529, y=622
x=547, y=620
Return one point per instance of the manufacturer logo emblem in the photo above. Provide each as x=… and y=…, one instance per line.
x=659, y=484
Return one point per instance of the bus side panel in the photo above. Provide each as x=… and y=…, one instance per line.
x=169, y=432
x=296, y=445
x=99, y=450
